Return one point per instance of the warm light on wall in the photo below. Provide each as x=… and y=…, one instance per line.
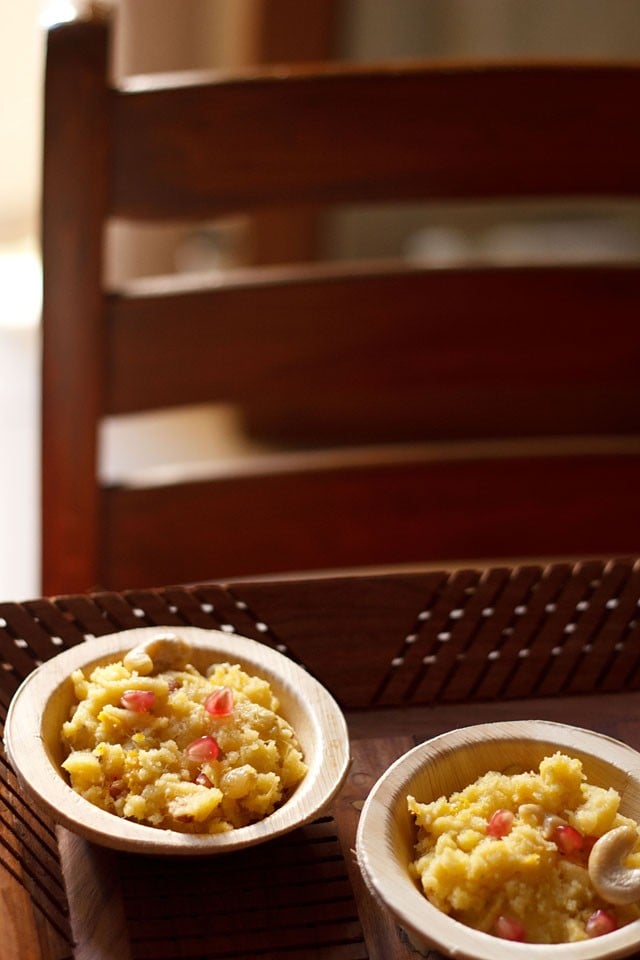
x=57, y=11
x=20, y=287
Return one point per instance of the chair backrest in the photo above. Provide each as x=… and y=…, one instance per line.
x=416, y=402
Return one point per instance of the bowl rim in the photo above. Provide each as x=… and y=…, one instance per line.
x=421, y=920
x=39, y=776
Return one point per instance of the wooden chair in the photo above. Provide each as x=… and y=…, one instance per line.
x=427, y=414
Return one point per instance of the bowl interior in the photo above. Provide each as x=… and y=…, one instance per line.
x=449, y=767
x=387, y=833
x=293, y=706
x=45, y=699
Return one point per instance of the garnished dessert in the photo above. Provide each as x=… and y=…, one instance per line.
x=152, y=739
x=538, y=856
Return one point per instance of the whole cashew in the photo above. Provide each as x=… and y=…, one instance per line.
x=611, y=880
x=164, y=652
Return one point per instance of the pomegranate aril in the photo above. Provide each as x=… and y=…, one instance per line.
x=202, y=749
x=220, y=702
x=600, y=922
x=509, y=929
x=500, y=823
x=567, y=839
x=138, y=701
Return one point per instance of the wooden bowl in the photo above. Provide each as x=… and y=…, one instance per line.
x=43, y=701
x=386, y=831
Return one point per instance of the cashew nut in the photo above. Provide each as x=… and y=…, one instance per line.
x=535, y=814
x=611, y=880
x=531, y=813
x=164, y=652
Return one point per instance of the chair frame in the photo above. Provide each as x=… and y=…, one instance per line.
x=112, y=352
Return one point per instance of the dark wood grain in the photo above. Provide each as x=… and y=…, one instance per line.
x=325, y=355
x=306, y=513
x=392, y=350
x=281, y=36
x=74, y=205
x=344, y=133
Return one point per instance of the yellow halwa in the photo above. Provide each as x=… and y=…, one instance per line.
x=141, y=764
x=521, y=879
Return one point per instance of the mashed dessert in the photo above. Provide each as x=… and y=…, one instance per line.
x=539, y=856
x=154, y=740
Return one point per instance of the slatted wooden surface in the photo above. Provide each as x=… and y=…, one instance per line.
x=562, y=640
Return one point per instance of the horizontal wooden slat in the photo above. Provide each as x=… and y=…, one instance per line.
x=401, y=352
x=347, y=133
x=411, y=510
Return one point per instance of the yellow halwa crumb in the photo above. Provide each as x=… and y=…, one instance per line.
x=477, y=877
x=136, y=764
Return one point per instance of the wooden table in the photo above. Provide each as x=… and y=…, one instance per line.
x=407, y=654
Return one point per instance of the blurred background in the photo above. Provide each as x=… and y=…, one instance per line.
x=167, y=35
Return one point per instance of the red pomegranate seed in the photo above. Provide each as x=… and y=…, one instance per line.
x=204, y=748
x=139, y=701
x=220, y=702
x=509, y=929
x=500, y=823
x=567, y=839
x=600, y=922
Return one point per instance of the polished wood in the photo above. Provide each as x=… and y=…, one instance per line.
x=342, y=334
x=16, y=915
x=280, y=35
x=363, y=513
x=335, y=355
x=352, y=134
x=75, y=203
